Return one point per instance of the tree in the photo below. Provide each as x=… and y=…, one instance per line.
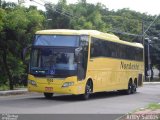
x=18, y=28
x=2, y=20
x=59, y=15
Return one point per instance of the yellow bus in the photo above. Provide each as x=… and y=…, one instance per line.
x=81, y=62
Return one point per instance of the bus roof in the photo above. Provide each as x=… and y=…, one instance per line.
x=94, y=33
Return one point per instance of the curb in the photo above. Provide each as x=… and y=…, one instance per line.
x=13, y=92
x=151, y=83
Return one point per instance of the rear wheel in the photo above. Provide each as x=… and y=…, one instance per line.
x=134, y=88
x=48, y=95
x=127, y=91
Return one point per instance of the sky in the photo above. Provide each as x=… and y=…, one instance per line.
x=151, y=7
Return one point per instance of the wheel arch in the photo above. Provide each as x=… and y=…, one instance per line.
x=130, y=80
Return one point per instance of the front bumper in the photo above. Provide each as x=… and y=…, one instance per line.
x=42, y=85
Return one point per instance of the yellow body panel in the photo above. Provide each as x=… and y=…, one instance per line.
x=108, y=73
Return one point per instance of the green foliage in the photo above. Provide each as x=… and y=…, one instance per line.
x=154, y=106
x=16, y=66
x=3, y=79
x=83, y=15
x=2, y=17
x=4, y=87
x=16, y=19
x=17, y=26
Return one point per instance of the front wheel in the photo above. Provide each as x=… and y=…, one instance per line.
x=48, y=95
x=88, y=91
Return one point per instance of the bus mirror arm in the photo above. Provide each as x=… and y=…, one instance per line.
x=77, y=51
x=79, y=59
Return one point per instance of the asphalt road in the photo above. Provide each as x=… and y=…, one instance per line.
x=100, y=103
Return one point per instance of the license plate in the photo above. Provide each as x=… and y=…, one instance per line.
x=48, y=88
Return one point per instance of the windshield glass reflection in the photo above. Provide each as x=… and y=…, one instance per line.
x=53, y=61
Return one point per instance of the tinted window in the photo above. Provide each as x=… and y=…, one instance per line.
x=102, y=48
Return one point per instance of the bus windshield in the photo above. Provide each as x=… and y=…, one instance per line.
x=57, y=40
x=53, y=62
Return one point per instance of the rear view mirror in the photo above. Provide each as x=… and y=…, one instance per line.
x=77, y=51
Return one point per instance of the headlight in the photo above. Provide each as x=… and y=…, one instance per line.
x=32, y=82
x=67, y=84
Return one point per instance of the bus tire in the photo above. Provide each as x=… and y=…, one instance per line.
x=134, y=88
x=88, y=91
x=48, y=95
x=127, y=91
